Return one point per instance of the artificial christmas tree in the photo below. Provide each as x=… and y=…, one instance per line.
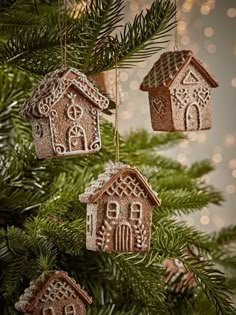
x=42, y=221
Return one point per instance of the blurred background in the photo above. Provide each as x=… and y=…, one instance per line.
x=208, y=28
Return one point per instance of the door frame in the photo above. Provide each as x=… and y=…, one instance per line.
x=84, y=139
x=198, y=115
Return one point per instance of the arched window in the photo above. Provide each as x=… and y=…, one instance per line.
x=69, y=310
x=136, y=211
x=113, y=208
x=49, y=311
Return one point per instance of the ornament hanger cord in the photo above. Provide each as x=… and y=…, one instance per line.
x=116, y=135
x=176, y=47
x=62, y=24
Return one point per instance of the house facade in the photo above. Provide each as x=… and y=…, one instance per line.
x=179, y=89
x=119, y=211
x=57, y=295
x=64, y=114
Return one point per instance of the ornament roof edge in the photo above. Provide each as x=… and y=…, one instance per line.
x=168, y=72
x=54, y=83
x=97, y=187
x=30, y=297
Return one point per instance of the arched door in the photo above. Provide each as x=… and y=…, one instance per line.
x=77, y=139
x=123, y=238
x=192, y=117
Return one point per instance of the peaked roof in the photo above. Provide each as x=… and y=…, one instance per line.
x=37, y=288
x=105, y=180
x=167, y=67
x=53, y=86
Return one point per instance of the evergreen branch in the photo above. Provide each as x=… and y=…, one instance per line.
x=180, y=233
x=140, y=139
x=193, y=303
x=223, y=247
x=139, y=40
x=185, y=178
x=213, y=284
x=225, y=236
x=102, y=17
x=184, y=201
x=201, y=168
x=142, y=270
x=66, y=237
x=15, y=87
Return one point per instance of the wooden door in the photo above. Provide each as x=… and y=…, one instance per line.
x=123, y=238
x=192, y=117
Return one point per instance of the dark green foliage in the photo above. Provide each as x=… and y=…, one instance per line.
x=89, y=37
x=42, y=221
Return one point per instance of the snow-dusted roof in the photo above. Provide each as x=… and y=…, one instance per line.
x=167, y=67
x=53, y=86
x=104, y=180
x=37, y=288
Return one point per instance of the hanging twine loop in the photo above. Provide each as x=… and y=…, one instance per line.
x=116, y=135
x=176, y=46
x=112, y=43
x=62, y=24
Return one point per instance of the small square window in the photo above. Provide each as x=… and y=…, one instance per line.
x=136, y=211
x=70, y=310
x=48, y=311
x=113, y=210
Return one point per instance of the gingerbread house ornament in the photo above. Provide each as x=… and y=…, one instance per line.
x=58, y=294
x=64, y=114
x=119, y=210
x=179, y=88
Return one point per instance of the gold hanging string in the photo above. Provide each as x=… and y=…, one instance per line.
x=60, y=32
x=65, y=33
x=62, y=24
x=176, y=47
x=116, y=135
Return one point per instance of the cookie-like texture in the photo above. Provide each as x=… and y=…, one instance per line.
x=58, y=294
x=179, y=89
x=119, y=210
x=64, y=114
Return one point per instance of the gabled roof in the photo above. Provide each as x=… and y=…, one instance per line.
x=167, y=67
x=37, y=289
x=111, y=174
x=53, y=86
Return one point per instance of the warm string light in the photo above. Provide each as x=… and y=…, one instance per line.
x=62, y=23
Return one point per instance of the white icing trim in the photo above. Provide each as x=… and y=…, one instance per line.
x=190, y=74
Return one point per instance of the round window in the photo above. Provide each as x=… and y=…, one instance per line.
x=74, y=112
